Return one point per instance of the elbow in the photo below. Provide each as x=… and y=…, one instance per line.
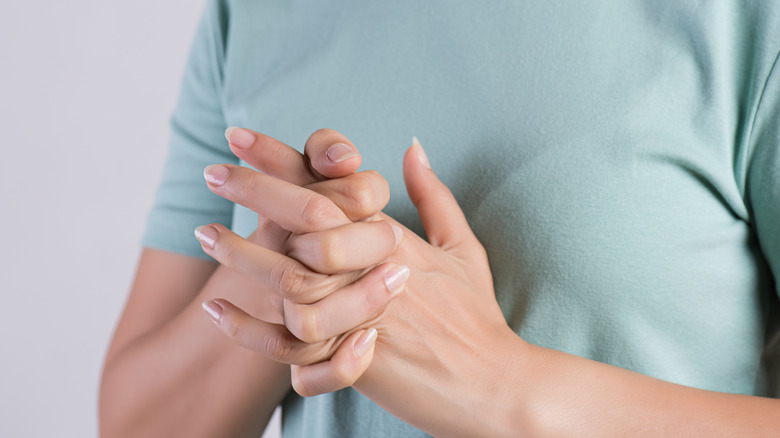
x=118, y=415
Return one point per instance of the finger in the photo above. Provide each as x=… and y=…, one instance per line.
x=442, y=218
x=348, y=307
x=331, y=154
x=328, y=154
x=359, y=195
x=271, y=340
x=346, y=366
x=269, y=234
x=270, y=156
x=294, y=208
x=284, y=275
x=346, y=248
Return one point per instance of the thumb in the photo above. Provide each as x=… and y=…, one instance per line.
x=442, y=218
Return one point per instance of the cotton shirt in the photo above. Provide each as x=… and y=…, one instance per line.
x=619, y=160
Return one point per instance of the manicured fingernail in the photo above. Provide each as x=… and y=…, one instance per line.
x=340, y=152
x=240, y=138
x=396, y=277
x=207, y=236
x=216, y=174
x=364, y=342
x=213, y=309
x=421, y=153
x=399, y=234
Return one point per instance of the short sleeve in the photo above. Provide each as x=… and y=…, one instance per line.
x=197, y=139
x=763, y=188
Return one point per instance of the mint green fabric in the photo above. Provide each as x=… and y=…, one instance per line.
x=619, y=160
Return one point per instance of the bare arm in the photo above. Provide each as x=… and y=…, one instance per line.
x=159, y=377
x=168, y=372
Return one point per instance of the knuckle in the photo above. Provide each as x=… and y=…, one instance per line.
x=277, y=347
x=363, y=199
x=343, y=375
x=316, y=209
x=288, y=278
x=329, y=252
x=307, y=325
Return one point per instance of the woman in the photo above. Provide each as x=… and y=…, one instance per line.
x=617, y=161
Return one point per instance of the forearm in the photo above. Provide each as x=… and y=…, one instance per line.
x=573, y=395
x=512, y=388
x=184, y=378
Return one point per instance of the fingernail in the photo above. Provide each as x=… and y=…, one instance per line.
x=340, y=152
x=421, y=153
x=364, y=342
x=399, y=234
x=207, y=235
x=396, y=277
x=240, y=138
x=216, y=174
x=213, y=309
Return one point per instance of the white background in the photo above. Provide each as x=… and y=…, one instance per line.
x=86, y=92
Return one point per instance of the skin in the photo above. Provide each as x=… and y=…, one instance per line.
x=169, y=373
x=507, y=386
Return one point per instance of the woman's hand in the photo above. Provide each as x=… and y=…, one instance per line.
x=447, y=313
x=320, y=234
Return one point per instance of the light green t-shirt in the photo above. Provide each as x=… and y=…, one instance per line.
x=619, y=160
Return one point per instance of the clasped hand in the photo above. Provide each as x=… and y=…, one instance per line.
x=338, y=269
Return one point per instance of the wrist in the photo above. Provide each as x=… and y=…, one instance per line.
x=484, y=394
x=507, y=388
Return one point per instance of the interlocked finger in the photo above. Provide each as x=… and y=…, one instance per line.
x=294, y=208
x=346, y=366
x=271, y=340
x=346, y=248
x=348, y=307
x=359, y=195
x=286, y=276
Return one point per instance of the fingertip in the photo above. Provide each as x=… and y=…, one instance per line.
x=395, y=279
x=364, y=342
x=223, y=314
x=214, y=310
x=340, y=159
x=207, y=236
x=420, y=154
x=216, y=174
x=340, y=152
x=330, y=154
x=398, y=233
x=240, y=137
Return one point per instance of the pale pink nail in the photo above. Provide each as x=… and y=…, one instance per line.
x=398, y=233
x=421, y=156
x=364, y=342
x=213, y=309
x=207, y=236
x=340, y=152
x=396, y=277
x=216, y=174
x=240, y=138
